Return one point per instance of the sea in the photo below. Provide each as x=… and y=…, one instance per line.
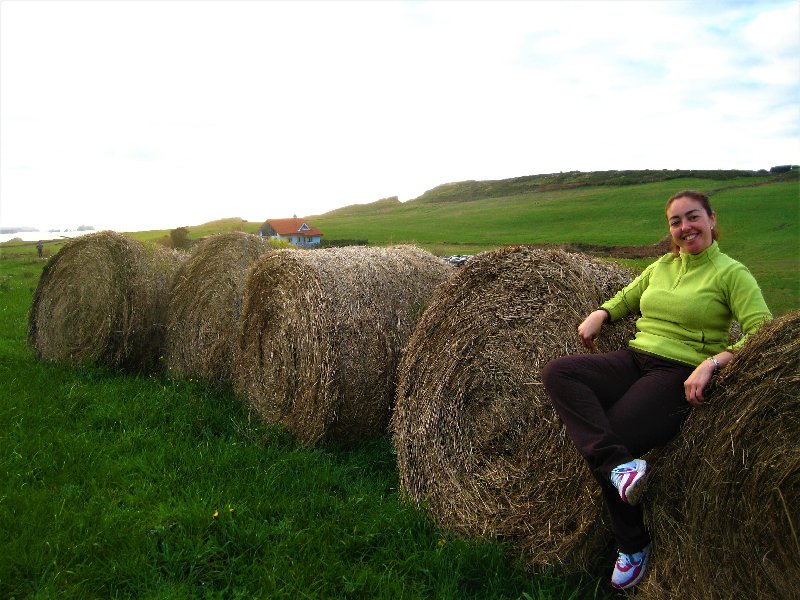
x=35, y=236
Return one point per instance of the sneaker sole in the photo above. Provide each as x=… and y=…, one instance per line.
x=635, y=491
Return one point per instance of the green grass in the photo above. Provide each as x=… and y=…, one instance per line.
x=761, y=228
x=630, y=215
x=758, y=214
x=123, y=486
x=760, y=225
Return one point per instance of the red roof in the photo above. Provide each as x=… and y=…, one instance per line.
x=292, y=226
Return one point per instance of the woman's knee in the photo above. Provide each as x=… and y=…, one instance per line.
x=551, y=370
x=556, y=370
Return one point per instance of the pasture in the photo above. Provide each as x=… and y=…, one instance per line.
x=759, y=224
x=132, y=485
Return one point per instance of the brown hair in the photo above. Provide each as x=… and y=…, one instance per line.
x=703, y=200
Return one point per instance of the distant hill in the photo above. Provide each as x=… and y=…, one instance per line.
x=471, y=190
x=383, y=205
x=10, y=230
x=464, y=191
x=607, y=213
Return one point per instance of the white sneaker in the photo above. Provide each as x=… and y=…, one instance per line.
x=629, y=479
x=630, y=568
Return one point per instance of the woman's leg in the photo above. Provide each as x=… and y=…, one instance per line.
x=615, y=407
x=648, y=415
x=581, y=388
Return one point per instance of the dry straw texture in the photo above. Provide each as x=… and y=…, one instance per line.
x=724, y=497
x=101, y=300
x=205, y=303
x=477, y=440
x=321, y=334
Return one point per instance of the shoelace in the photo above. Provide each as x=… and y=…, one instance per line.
x=629, y=560
x=618, y=474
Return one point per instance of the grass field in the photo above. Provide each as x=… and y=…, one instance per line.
x=759, y=219
x=760, y=226
x=123, y=486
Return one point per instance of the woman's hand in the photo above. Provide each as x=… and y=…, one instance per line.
x=698, y=380
x=590, y=327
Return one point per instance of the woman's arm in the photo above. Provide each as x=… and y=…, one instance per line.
x=746, y=303
x=591, y=326
x=698, y=380
x=626, y=300
x=747, y=306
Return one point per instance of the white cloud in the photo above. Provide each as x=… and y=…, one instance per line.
x=157, y=114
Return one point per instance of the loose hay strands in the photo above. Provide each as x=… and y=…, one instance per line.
x=101, y=300
x=321, y=334
x=477, y=441
x=724, y=497
x=205, y=303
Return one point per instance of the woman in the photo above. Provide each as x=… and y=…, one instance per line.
x=617, y=406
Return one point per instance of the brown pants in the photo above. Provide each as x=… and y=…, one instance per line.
x=615, y=407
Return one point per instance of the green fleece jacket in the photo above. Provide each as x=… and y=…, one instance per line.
x=687, y=304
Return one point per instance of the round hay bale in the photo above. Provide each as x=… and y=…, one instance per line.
x=101, y=300
x=724, y=497
x=321, y=334
x=477, y=440
x=204, y=305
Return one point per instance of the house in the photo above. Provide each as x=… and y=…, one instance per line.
x=295, y=231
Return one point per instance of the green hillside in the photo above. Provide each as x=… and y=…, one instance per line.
x=758, y=216
x=138, y=486
x=573, y=179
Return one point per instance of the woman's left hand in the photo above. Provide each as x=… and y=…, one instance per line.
x=698, y=380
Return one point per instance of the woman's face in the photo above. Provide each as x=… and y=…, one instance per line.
x=690, y=225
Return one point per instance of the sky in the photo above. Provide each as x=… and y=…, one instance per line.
x=155, y=114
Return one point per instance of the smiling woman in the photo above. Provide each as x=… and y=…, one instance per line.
x=618, y=406
x=692, y=223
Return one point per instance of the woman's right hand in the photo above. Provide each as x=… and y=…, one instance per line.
x=590, y=327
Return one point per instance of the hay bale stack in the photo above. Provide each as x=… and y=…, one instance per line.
x=204, y=305
x=724, y=497
x=101, y=300
x=321, y=334
x=477, y=440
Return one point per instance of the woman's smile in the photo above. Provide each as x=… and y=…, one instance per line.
x=690, y=225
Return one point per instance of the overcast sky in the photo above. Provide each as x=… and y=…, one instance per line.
x=154, y=114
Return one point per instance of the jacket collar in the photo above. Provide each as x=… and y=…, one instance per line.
x=707, y=254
